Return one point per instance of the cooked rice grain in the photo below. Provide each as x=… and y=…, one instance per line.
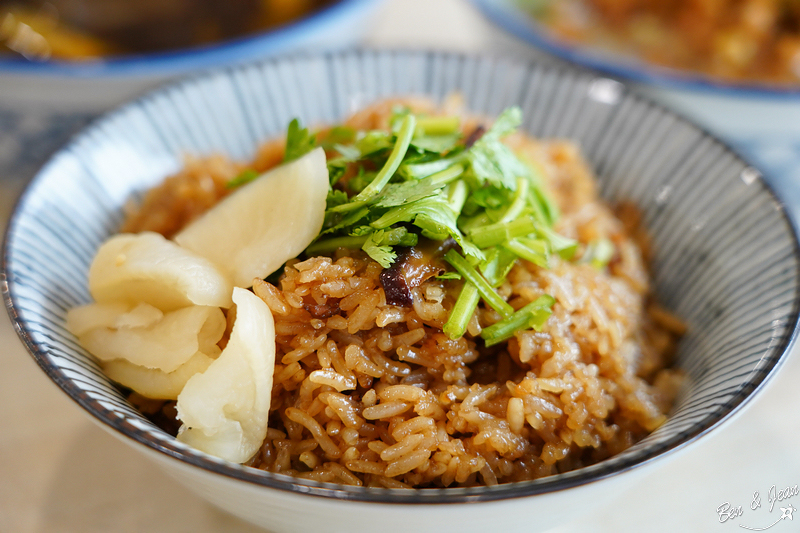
x=367, y=393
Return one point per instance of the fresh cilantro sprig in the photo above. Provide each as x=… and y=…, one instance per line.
x=245, y=176
x=298, y=141
x=390, y=188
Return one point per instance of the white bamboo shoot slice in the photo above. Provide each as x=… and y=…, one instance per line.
x=252, y=232
x=146, y=267
x=225, y=410
x=164, y=345
x=154, y=383
x=85, y=318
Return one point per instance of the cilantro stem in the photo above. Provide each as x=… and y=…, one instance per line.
x=533, y=315
x=446, y=176
x=520, y=201
x=499, y=262
x=563, y=246
x=531, y=250
x=457, y=195
x=500, y=232
x=393, y=237
x=486, y=291
x=423, y=170
x=545, y=208
x=438, y=125
x=331, y=245
x=465, y=306
x=399, y=150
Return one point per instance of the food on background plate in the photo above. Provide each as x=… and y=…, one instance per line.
x=733, y=40
x=458, y=307
x=78, y=30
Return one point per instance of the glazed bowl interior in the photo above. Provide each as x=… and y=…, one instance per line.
x=725, y=253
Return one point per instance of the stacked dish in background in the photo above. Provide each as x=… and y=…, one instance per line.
x=761, y=120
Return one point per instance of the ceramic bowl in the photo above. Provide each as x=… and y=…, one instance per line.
x=725, y=261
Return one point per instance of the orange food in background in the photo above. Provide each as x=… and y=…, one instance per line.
x=752, y=40
x=90, y=29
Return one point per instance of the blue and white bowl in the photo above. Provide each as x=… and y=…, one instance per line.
x=726, y=262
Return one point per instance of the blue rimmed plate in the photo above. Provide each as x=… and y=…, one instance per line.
x=512, y=16
x=726, y=259
x=762, y=121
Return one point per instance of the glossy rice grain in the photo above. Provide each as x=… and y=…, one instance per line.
x=372, y=394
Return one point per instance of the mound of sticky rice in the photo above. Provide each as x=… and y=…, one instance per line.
x=374, y=394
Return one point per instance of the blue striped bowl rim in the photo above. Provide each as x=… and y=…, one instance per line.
x=726, y=252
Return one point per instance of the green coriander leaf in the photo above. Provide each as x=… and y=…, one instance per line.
x=382, y=254
x=336, y=170
x=339, y=135
x=358, y=183
x=494, y=162
x=335, y=221
x=372, y=142
x=246, y=176
x=336, y=197
x=397, y=194
x=505, y=124
x=364, y=236
x=378, y=245
x=361, y=230
x=490, y=197
x=298, y=141
x=393, y=162
x=434, y=216
x=376, y=185
x=348, y=153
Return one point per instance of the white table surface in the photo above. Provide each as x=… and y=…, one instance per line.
x=59, y=472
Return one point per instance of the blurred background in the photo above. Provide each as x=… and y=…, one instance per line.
x=732, y=66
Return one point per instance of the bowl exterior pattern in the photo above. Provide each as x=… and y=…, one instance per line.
x=725, y=252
